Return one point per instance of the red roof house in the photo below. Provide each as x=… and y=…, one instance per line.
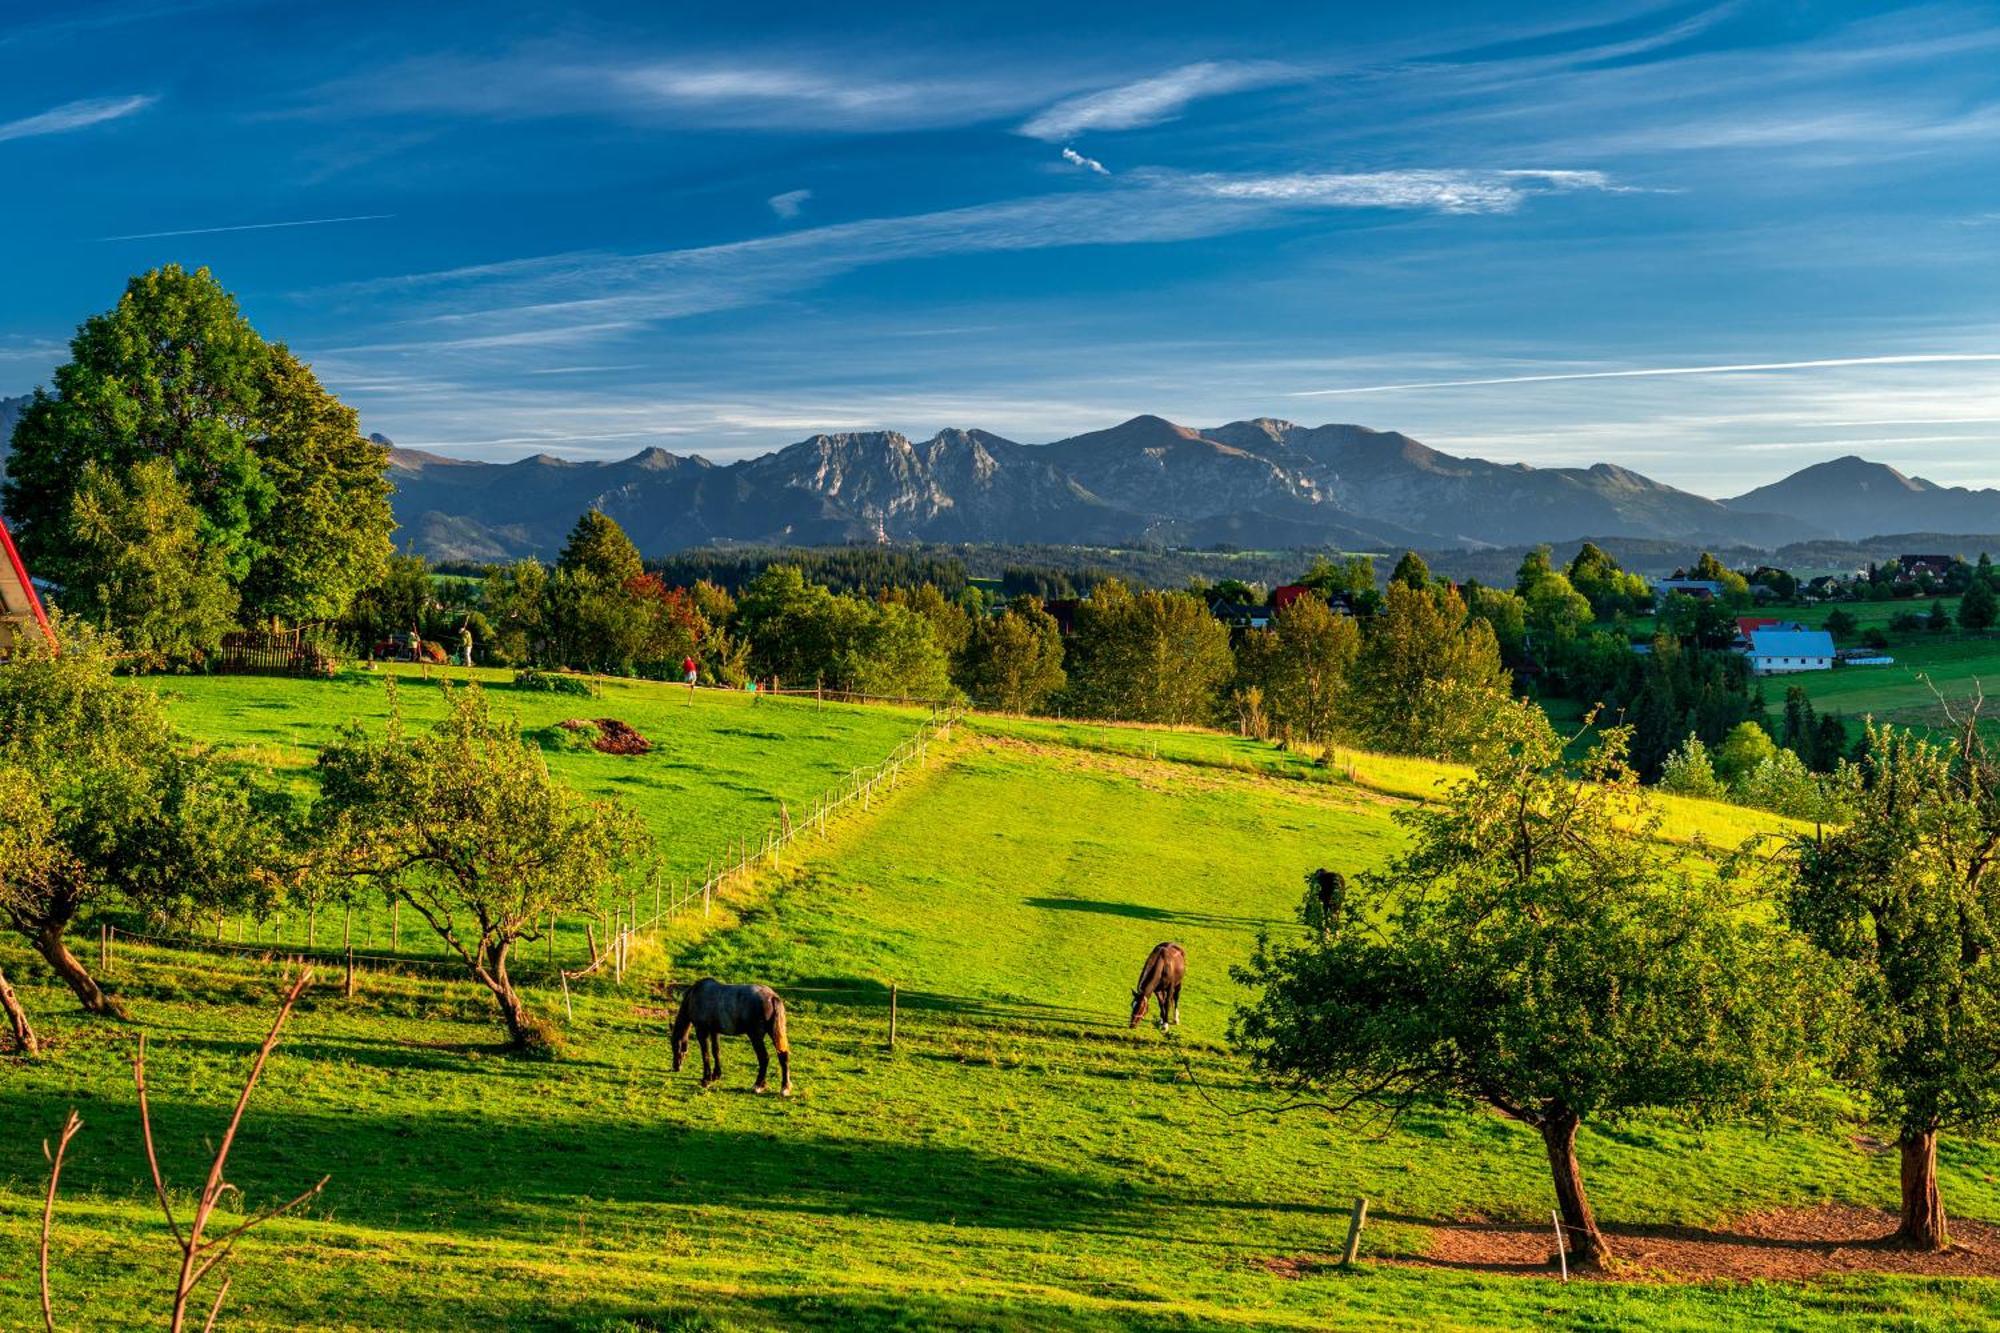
x=20, y=609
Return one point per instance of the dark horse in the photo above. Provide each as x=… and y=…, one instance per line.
x=715, y=1011
x=1161, y=976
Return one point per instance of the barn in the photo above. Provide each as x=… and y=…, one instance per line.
x=21, y=611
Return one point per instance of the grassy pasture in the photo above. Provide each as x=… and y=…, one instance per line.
x=1021, y=1160
x=722, y=764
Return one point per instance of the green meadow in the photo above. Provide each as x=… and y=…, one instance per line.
x=1020, y=1160
x=724, y=766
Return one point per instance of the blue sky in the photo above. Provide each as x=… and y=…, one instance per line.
x=509, y=228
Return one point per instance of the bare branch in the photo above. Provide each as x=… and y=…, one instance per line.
x=71, y=1124
x=146, y=1128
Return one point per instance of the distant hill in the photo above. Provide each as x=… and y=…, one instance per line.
x=1853, y=498
x=10, y=412
x=1257, y=484
x=1262, y=483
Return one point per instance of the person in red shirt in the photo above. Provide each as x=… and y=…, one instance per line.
x=692, y=671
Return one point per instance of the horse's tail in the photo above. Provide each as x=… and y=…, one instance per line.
x=778, y=1026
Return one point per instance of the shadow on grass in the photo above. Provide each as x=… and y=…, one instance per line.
x=1163, y=915
x=461, y=1171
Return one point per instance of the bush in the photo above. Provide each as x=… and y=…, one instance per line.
x=574, y=735
x=550, y=682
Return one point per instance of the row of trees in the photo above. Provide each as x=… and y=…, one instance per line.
x=1412, y=673
x=1536, y=953
x=185, y=475
x=103, y=803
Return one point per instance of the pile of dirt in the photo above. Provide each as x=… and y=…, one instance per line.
x=1782, y=1244
x=613, y=736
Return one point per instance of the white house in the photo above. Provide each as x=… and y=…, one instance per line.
x=1776, y=651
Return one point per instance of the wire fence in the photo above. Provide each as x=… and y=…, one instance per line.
x=747, y=854
x=610, y=934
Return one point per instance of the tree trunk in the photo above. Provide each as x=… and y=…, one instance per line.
x=1584, y=1241
x=48, y=942
x=525, y=1032
x=1923, y=1225
x=17, y=1018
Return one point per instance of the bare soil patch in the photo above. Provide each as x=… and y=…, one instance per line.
x=1780, y=1244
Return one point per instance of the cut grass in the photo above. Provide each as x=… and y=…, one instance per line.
x=1030, y=1168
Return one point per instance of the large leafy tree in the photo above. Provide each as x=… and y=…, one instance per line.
x=1147, y=656
x=1014, y=661
x=1427, y=677
x=467, y=824
x=326, y=534
x=172, y=371
x=1304, y=664
x=287, y=496
x=133, y=563
x=599, y=547
x=1904, y=898
x=1534, y=953
x=107, y=801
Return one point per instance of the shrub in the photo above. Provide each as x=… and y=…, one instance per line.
x=573, y=735
x=550, y=682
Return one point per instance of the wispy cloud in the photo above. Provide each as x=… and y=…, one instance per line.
x=771, y=93
x=1150, y=101
x=1076, y=159
x=788, y=204
x=75, y=116
x=1653, y=372
x=1442, y=191
x=571, y=295
x=248, y=226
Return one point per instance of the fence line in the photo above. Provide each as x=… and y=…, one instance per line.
x=743, y=855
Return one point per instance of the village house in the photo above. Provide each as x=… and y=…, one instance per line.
x=21, y=611
x=1775, y=652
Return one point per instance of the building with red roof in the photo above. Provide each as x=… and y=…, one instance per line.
x=21, y=611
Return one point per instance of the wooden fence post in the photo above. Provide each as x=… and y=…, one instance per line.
x=104, y=947
x=892, y=1015
x=1355, y=1222
x=567, y=1011
x=347, y=929
x=396, y=925
x=348, y=984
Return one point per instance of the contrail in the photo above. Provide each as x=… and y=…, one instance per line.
x=1931, y=358
x=248, y=226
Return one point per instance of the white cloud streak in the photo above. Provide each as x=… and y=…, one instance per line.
x=1076, y=159
x=248, y=226
x=1651, y=372
x=1150, y=101
x=557, y=296
x=75, y=116
x=788, y=204
x=1442, y=191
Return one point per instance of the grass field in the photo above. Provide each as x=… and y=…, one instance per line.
x=722, y=766
x=1020, y=1160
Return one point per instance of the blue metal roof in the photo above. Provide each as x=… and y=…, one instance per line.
x=1790, y=643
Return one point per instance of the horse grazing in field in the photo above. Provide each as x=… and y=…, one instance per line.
x=714, y=1011
x=1161, y=976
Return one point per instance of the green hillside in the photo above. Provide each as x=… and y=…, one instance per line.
x=1020, y=1160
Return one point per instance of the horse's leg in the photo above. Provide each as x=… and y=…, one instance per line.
x=763, y=1060
x=716, y=1037
x=711, y=1058
x=1177, y=1004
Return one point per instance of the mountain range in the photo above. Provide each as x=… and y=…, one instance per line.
x=1262, y=482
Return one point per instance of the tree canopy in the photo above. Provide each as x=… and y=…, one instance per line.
x=1534, y=953
x=288, y=501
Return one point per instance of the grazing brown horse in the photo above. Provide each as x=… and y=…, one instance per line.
x=714, y=1011
x=1161, y=976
